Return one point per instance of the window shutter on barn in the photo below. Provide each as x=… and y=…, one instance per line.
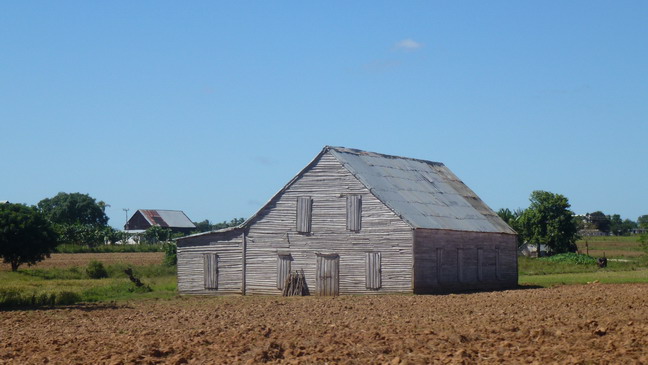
x=354, y=212
x=210, y=273
x=373, y=271
x=304, y=213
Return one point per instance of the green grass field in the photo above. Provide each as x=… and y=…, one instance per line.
x=38, y=287
x=627, y=263
x=601, y=276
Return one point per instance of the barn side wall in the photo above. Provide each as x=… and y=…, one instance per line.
x=229, y=248
x=328, y=183
x=137, y=221
x=448, y=261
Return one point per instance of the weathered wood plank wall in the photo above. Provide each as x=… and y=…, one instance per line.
x=191, y=274
x=328, y=184
x=451, y=260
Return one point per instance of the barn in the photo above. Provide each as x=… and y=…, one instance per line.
x=175, y=220
x=357, y=222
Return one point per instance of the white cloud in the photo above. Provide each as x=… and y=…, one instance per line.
x=408, y=44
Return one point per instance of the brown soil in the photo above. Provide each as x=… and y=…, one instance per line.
x=82, y=259
x=570, y=324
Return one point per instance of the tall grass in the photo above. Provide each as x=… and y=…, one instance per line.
x=64, y=286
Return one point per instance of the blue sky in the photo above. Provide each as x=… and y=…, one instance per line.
x=211, y=107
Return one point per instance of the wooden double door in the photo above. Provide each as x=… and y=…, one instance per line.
x=328, y=275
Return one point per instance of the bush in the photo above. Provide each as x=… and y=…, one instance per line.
x=67, y=298
x=643, y=242
x=170, y=254
x=14, y=298
x=96, y=270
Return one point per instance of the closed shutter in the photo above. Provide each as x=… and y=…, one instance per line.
x=304, y=209
x=283, y=270
x=211, y=270
x=372, y=271
x=354, y=212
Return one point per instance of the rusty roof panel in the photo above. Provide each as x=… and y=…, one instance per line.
x=167, y=218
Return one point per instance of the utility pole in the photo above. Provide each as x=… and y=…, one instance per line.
x=126, y=211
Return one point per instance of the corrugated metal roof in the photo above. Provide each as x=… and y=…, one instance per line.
x=167, y=218
x=425, y=194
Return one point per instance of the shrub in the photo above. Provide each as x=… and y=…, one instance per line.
x=14, y=298
x=96, y=270
x=67, y=298
x=170, y=254
x=643, y=242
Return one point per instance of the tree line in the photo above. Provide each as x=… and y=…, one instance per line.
x=29, y=234
x=549, y=221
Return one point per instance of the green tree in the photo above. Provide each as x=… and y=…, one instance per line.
x=620, y=227
x=233, y=223
x=156, y=234
x=204, y=226
x=548, y=221
x=643, y=221
x=74, y=208
x=511, y=218
x=600, y=221
x=26, y=236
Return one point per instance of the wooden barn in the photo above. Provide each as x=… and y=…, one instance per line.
x=358, y=222
x=175, y=220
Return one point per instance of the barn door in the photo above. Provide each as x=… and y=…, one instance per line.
x=328, y=275
x=210, y=270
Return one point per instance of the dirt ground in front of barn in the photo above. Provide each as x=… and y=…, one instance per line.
x=570, y=324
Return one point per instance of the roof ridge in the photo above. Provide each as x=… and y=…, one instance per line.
x=378, y=154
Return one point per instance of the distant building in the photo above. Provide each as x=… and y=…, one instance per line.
x=175, y=220
x=531, y=250
x=592, y=232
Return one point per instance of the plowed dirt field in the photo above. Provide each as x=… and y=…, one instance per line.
x=591, y=324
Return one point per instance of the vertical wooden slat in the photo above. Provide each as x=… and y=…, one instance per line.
x=304, y=209
x=319, y=278
x=439, y=264
x=354, y=212
x=373, y=271
x=497, y=264
x=283, y=270
x=335, y=270
x=210, y=262
x=480, y=264
x=460, y=265
x=243, y=263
